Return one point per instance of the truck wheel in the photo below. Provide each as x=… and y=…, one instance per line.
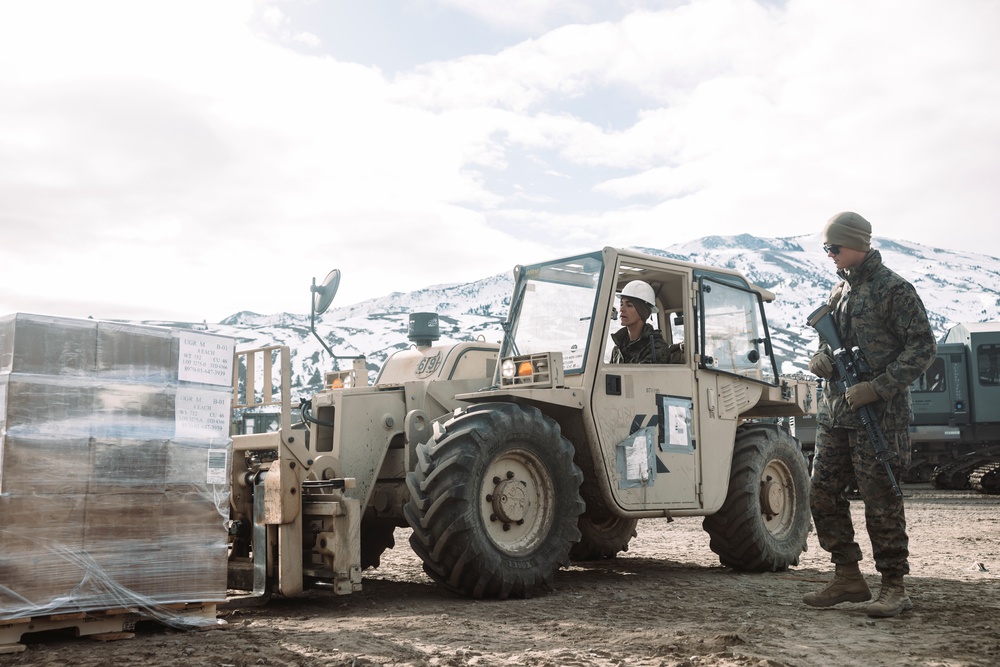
x=494, y=502
x=764, y=523
x=376, y=537
x=602, y=538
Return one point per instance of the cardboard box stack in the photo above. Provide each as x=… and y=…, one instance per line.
x=114, y=464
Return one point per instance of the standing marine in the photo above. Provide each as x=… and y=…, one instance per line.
x=880, y=313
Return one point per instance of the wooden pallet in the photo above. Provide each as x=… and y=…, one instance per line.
x=102, y=625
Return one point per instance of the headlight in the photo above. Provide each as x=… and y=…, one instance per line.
x=538, y=370
x=340, y=379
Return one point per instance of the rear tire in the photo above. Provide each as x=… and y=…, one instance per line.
x=602, y=538
x=764, y=522
x=494, y=501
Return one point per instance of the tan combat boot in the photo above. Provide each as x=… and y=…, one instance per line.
x=892, y=599
x=848, y=586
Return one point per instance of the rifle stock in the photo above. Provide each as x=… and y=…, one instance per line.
x=846, y=367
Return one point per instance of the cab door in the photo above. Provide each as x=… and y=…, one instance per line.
x=735, y=361
x=648, y=435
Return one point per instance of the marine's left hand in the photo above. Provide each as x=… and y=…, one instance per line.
x=861, y=394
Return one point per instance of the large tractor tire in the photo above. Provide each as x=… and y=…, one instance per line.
x=494, y=502
x=602, y=538
x=764, y=522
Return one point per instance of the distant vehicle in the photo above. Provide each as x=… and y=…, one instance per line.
x=956, y=406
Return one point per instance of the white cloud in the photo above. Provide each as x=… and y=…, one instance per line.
x=782, y=116
x=181, y=157
x=273, y=17
x=527, y=16
x=308, y=39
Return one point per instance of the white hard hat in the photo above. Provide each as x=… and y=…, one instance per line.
x=637, y=289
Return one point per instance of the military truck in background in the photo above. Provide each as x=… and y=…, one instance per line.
x=955, y=435
x=956, y=408
x=508, y=460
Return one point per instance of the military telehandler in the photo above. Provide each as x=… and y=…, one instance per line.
x=509, y=460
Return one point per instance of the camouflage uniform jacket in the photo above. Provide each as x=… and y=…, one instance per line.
x=882, y=314
x=650, y=344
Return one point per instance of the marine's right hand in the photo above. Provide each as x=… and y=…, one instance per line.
x=821, y=365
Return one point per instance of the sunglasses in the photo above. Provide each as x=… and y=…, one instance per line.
x=832, y=249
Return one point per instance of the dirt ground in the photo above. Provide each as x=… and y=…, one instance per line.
x=665, y=602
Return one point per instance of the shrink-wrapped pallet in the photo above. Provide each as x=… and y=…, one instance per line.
x=114, y=458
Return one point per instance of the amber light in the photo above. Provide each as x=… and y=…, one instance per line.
x=525, y=368
x=337, y=384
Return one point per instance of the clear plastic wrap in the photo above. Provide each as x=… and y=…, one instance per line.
x=114, y=467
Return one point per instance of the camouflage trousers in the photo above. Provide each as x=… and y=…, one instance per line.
x=844, y=455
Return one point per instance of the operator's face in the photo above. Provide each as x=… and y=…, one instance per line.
x=627, y=314
x=847, y=258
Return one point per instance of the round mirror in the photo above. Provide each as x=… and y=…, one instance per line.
x=323, y=294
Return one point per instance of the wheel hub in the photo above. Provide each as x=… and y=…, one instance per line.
x=772, y=497
x=510, y=501
x=518, y=502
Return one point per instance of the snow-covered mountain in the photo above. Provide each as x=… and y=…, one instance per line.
x=955, y=286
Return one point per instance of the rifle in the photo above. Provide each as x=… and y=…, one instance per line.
x=848, y=365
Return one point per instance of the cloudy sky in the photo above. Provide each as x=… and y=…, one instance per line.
x=188, y=159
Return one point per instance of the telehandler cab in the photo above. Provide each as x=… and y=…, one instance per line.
x=508, y=461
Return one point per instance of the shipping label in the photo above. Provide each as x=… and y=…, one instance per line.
x=202, y=413
x=205, y=359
